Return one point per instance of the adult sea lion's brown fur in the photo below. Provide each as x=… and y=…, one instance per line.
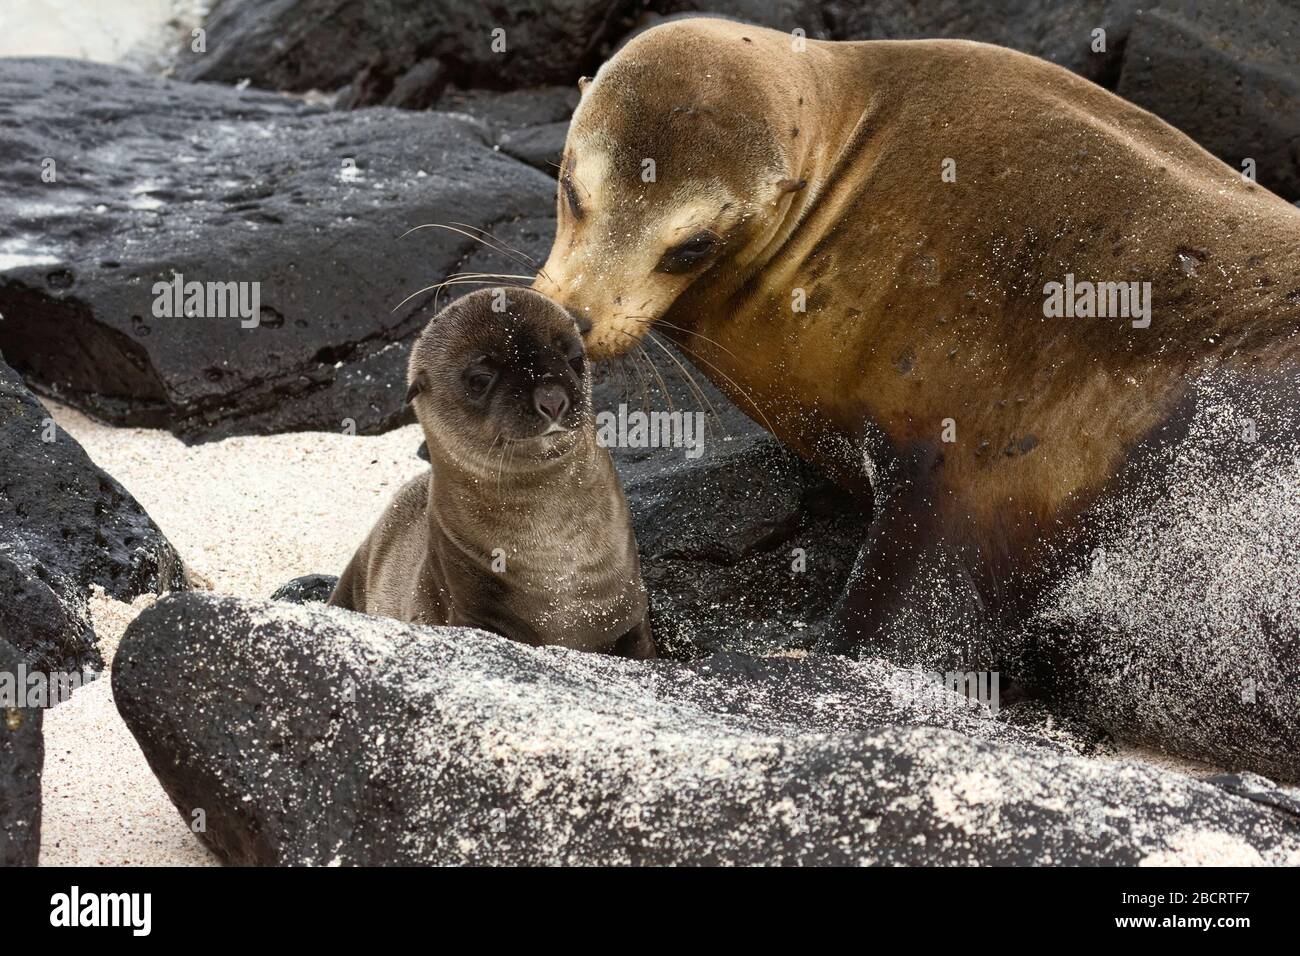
x=520, y=526
x=717, y=178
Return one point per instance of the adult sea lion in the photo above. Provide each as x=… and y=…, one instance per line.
x=989, y=291
x=520, y=527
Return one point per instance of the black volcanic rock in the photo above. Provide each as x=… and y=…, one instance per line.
x=22, y=759
x=313, y=735
x=1243, y=103
x=156, y=178
x=1245, y=100
x=747, y=547
x=744, y=546
x=65, y=525
x=381, y=46
x=307, y=589
x=530, y=125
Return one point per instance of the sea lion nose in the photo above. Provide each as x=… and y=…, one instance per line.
x=551, y=400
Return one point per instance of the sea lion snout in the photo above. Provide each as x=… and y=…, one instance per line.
x=551, y=401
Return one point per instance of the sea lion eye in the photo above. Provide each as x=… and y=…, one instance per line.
x=577, y=362
x=687, y=255
x=571, y=194
x=478, y=380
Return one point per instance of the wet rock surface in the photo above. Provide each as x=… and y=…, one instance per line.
x=314, y=735
x=22, y=758
x=529, y=125
x=155, y=179
x=420, y=46
x=310, y=588
x=65, y=525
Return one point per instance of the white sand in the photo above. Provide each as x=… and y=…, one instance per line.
x=247, y=515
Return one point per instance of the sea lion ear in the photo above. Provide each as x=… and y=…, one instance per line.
x=583, y=83
x=418, y=385
x=791, y=185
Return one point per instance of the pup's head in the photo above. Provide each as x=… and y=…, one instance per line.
x=501, y=372
x=680, y=161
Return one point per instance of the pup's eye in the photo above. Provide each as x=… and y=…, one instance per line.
x=478, y=380
x=578, y=363
x=689, y=254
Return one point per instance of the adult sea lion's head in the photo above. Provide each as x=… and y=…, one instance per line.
x=681, y=160
x=500, y=375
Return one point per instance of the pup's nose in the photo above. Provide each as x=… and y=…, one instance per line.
x=551, y=400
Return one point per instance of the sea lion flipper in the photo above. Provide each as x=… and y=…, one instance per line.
x=910, y=596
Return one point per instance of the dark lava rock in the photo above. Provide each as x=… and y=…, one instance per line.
x=156, y=178
x=530, y=125
x=65, y=525
x=312, y=735
x=1260, y=789
x=1243, y=104
x=747, y=548
x=308, y=589
x=1245, y=100
x=416, y=88
x=405, y=52
x=22, y=758
x=381, y=46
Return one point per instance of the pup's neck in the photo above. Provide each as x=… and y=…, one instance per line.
x=515, y=481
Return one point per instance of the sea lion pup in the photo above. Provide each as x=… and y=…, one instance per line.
x=866, y=245
x=520, y=527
